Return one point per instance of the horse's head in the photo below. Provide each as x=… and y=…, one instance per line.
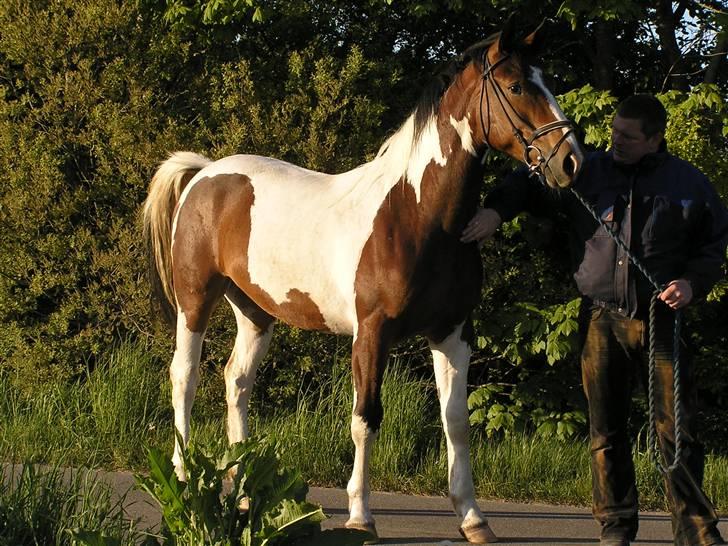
x=518, y=115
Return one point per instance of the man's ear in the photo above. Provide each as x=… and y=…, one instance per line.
x=656, y=139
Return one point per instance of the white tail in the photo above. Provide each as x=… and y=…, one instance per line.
x=164, y=191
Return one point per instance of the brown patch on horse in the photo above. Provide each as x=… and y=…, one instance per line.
x=413, y=267
x=222, y=204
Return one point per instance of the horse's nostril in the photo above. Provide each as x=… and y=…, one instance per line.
x=570, y=165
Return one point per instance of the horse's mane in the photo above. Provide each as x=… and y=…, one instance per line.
x=430, y=99
x=397, y=150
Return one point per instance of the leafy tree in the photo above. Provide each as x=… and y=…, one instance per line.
x=92, y=104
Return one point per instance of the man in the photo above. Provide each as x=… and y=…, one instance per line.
x=670, y=217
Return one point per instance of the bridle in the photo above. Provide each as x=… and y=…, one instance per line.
x=528, y=144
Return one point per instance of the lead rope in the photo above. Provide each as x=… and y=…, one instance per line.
x=652, y=439
x=535, y=169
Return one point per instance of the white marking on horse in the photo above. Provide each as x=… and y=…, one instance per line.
x=451, y=358
x=184, y=375
x=536, y=77
x=466, y=134
x=423, y=152
x=358, y=486
x=250, y=347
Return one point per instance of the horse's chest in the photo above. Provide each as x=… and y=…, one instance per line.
x=420, y=287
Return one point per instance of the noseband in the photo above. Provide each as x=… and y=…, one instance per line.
x=527, y=143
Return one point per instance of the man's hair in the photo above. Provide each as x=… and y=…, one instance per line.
x=646, y=108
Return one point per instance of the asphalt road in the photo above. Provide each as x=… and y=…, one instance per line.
x=407, y=520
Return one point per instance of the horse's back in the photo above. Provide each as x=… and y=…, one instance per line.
x=285, y=235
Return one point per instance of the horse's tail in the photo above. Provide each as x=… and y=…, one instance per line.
x=164, y=192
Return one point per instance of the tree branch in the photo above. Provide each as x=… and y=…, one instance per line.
x=717, y=58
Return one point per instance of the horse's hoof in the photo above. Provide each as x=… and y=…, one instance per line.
x=479, y=534
x=367, y=527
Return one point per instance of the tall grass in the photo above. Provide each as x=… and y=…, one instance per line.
x=40, y=506
x=105, y=418
x=109, y=417
x=529, y=468
x=124, y=398
x=317, y=440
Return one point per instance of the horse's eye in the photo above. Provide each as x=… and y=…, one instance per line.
x=515, y=88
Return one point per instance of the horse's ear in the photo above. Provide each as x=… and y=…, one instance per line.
x=512, y=40
x=508, y=41
x=534, y=40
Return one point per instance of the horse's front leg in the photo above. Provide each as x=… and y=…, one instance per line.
x=451, y=358
x=368, y=358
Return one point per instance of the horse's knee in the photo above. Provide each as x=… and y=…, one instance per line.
x=362, y=433
x=369, y=412
x=238, y=384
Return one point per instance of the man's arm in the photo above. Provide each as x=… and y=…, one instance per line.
x=517, y=193
x=704, y=267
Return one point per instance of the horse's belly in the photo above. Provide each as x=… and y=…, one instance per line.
x=302, y=290
x=307, y=271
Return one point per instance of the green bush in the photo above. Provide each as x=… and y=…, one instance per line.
x=88, y=108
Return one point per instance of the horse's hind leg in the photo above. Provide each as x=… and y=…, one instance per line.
x=193, y=313
x=451, y=358
x=255, y=328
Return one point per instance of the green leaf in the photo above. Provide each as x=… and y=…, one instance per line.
x=291, y=518
x=165, y=488
x=478, y=416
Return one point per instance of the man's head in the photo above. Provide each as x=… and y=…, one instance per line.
x=638, y=128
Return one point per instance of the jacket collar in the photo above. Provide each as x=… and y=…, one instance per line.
x=647, y=164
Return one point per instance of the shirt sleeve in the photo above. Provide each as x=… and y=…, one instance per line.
x=519, y=192
x=704, y=266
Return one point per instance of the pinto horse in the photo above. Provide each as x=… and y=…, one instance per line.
x=373, y=253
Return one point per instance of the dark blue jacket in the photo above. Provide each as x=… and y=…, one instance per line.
x=664, y=209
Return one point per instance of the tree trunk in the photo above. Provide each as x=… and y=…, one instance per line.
x=675, y=67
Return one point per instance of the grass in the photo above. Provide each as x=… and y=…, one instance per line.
x=39, y=506
x=108, y=418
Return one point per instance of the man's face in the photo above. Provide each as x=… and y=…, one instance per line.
x=629, y=144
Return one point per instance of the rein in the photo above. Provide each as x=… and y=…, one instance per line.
x=652, y=441
x=527, y=143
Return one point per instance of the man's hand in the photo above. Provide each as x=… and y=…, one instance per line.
x=482, y=226
x=677, y=294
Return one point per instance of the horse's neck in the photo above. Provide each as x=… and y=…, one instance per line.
x=440, y=163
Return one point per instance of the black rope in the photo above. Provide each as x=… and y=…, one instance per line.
x=652, y=437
